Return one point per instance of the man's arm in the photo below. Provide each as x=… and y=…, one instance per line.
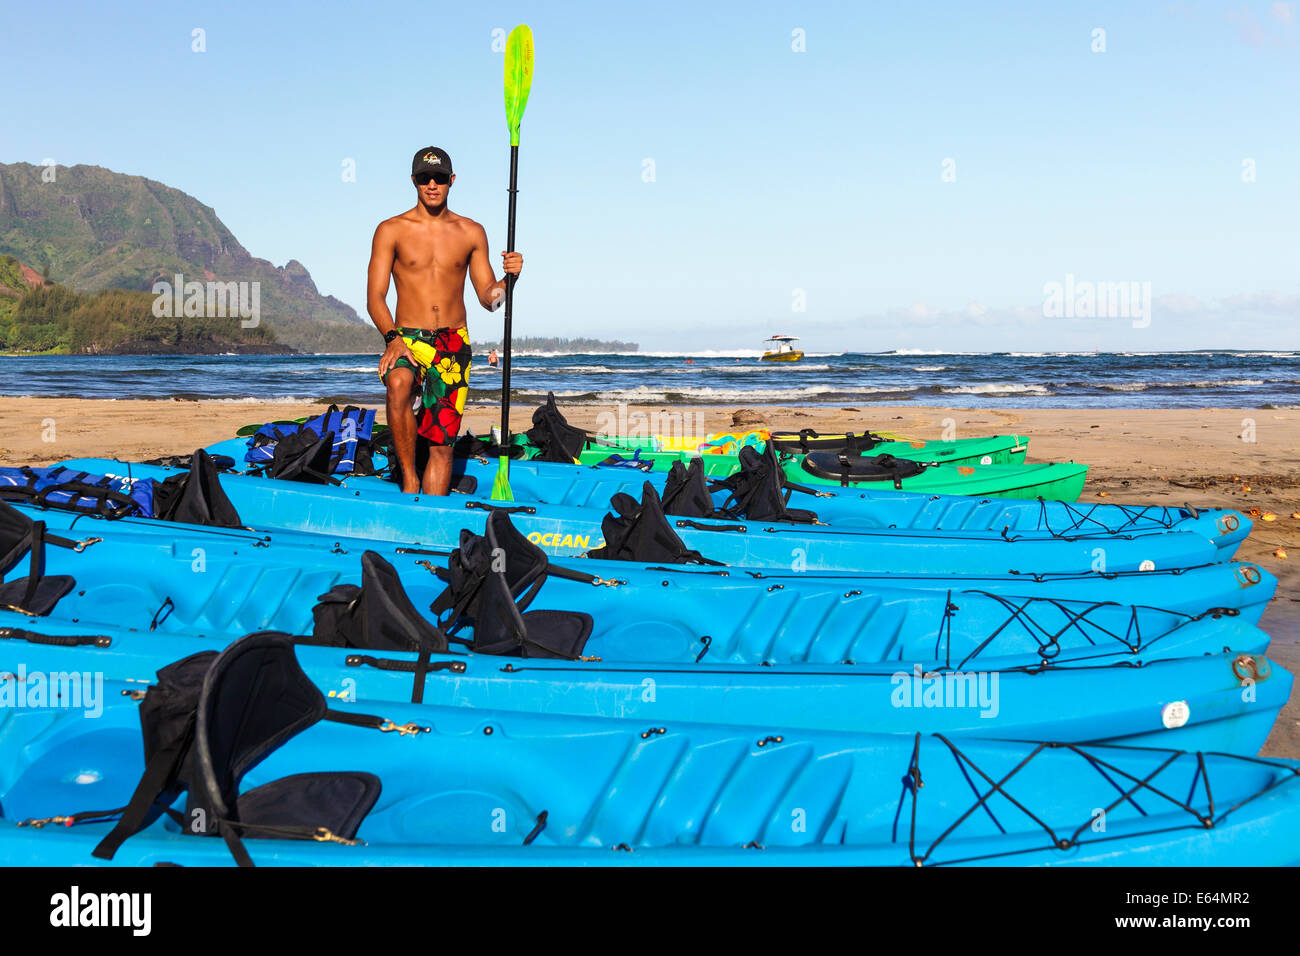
x=383, y=251
x=491, y=290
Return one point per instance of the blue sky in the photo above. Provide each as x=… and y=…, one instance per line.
x=774, y=170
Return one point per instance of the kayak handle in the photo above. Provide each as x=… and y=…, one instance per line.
x=518, y=509
x=686, y=523
x=57, y=640
x=388, y=664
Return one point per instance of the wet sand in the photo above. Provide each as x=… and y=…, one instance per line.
x=1235, y=458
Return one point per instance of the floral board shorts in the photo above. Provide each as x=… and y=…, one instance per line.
x=441, y=368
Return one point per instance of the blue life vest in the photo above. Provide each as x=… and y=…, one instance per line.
x=68, y=490
x=349, y=427
x=618, y=461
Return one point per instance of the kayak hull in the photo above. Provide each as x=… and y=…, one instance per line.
x=366, y=509
x=1128, y=702
x=994, y=450
x=501, y=788
x=847, y=509
x=1052, y=482
x=227, y=583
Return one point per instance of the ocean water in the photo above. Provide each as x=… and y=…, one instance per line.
x=1003, y=379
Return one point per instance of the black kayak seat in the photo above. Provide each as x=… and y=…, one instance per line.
x=504, y=612
x=851, y=469
x=378, y=615
x=255, y=697
x=556, y=440
x=806, y=441
x=209, y=719
x=492, y=579
x=686, y=491
x=759, y=491
x=36, y=593
x=640, y=532
x=195, y=495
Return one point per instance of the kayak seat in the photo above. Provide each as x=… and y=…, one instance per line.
x=36, y=596
x=806, y=441
x=36, y=593
x=195, y=496
x=470, y=445
x=759, y=490
x=254, y=698
x=302, y=456
x=337, y=801
x=503, y=615
x=554, y=438
x=850, y=469
x=378, y=615
x=492, y=578
x=640, y=532
x=209, y=719
x=686, y=492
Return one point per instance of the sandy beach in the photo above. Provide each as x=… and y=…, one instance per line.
x=1235, y=458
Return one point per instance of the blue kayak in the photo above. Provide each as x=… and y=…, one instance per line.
x=593, y=486
x=364, y=511
x=1243, y=587
x=1026, y=662
x=1225, y=702
x=216, y=585
x=284, y=775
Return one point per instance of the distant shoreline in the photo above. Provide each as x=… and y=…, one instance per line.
x=1265, y=382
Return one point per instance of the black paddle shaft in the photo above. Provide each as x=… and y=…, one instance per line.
x=510, y=300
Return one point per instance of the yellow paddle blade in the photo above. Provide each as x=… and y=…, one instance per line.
x=519, y=77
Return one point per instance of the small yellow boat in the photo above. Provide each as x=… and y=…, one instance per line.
x=782, y=350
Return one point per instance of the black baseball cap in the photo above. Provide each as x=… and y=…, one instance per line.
x=429, y=160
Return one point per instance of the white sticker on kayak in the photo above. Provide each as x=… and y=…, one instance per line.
x=1147, y=565
x=1175, y=713
x=986, y=460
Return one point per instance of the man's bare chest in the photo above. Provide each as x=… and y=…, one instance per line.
x=442, y=255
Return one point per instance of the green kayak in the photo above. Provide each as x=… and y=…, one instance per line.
x=994, y=450
x=1053, y=482
x=991, y=450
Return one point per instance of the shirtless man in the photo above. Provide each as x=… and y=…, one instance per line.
x=428, y=251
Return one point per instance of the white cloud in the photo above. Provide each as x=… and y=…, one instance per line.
x=1281, y=13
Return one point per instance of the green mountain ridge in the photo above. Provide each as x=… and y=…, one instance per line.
x=94, y=229
x=53, y=318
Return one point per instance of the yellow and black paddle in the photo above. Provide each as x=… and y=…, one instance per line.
x=519, y=81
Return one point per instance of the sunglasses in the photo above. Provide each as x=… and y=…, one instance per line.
x=440, y=178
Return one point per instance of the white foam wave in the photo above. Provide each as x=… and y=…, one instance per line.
x=768, y=367
x=997, y=388
x=645, y=394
